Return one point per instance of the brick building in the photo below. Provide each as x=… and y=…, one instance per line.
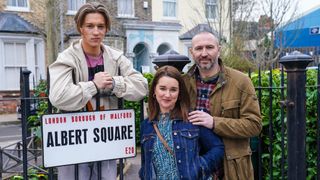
x=23, y=36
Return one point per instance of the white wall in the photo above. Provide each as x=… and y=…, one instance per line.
x=152, y=36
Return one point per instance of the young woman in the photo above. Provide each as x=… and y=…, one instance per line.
x=171, y=147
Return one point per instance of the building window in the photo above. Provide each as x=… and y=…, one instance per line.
x=211, y=9
x=126, y=8
x=170, y=8
x=12, y=58
x=13, y=61
x=74, y=5
x=18, y=5
x=20, y=53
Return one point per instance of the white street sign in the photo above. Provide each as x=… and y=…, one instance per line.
x=73, y=138
x=314, y=30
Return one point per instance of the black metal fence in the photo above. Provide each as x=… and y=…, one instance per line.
x=277, y=134
x=17, y=158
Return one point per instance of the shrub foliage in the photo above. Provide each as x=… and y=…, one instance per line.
x=275, y=119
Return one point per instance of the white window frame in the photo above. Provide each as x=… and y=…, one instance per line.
x=18, y=8
x=212, y=4
x=77, y=4
x=176, y=9
x=120, y=14
x=35, y=51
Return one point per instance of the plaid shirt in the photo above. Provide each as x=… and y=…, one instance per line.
x=204, y=89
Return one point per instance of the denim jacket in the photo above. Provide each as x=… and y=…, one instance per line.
x=198, y=151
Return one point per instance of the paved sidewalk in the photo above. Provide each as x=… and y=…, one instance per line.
x=6, y=122
x=6, y=119
x=131, y=172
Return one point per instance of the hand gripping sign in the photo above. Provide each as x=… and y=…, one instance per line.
x=73, y=138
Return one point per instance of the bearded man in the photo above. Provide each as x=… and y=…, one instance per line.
x=225, y=101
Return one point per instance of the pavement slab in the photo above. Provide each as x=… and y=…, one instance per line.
x=6, y=119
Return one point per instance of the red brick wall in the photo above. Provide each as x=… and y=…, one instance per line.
x=9, y=101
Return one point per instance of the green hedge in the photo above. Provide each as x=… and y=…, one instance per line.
x=311, y=118
x=136, y=106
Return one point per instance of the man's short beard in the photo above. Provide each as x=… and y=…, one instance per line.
x=205, y=67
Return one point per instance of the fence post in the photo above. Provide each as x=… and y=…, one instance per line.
x=1, y=163
x=25, y=112
x=318, y=123
x=295, y=64
x=50, y=111
x=120, y=106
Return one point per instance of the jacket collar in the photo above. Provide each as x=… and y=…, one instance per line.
x=222, y=74
x=108, y=52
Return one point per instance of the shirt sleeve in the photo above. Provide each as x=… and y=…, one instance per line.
x=130, y=84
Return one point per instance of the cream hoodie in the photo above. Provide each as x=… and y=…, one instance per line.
x=70, y=89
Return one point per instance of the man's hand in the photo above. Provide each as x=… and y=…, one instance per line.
x=201, y=118
x=103, y=80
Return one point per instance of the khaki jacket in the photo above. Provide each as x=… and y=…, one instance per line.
x=70, y=89
x=236, y=113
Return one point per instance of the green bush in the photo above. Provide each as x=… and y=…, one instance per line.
x=34, y=121
x=136, y=106
x=311, y=114
x=33, y=174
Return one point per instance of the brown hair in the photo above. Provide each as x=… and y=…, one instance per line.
x=182, y=105
x=92, y=7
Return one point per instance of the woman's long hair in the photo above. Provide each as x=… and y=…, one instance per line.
x=182, y=105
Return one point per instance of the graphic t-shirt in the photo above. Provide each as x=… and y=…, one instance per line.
x=95, y=64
